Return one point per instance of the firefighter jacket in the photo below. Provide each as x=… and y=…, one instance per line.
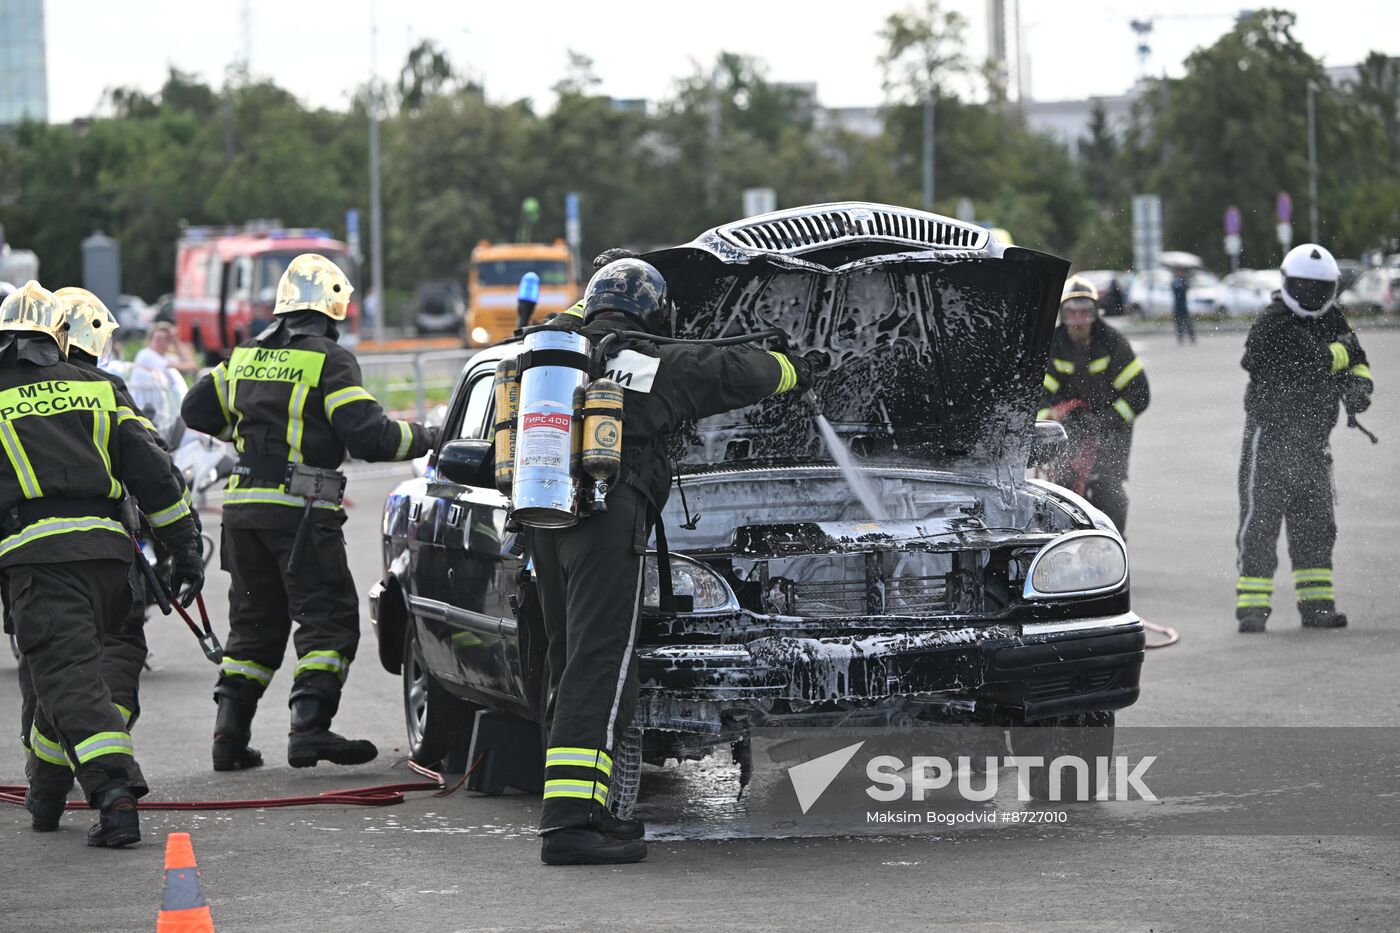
x=71, y=443
x=1106, y=375
x=293, y=395
x=666, y=385
x=1300, y=369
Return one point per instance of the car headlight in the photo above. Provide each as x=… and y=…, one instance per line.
x=690, y=578
x=480, y=334
x=1079, y=563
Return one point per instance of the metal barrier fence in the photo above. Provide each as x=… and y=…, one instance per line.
x=413, y=382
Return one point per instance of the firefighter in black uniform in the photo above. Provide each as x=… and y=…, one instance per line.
x=1303, y=360
x=71, y=446
x=590, y=576
x=1096, y=387
x=292, y=395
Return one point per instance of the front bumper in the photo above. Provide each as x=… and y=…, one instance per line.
x=1038, y=669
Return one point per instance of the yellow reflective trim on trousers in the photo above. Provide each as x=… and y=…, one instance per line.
x=332, y=661
x=126, y=713
x=48, y=527
x=405, y=440
x=1042, y=414
x=1247, y=600
x=46, y=749
x=269, y=364
x=1052, y=385
x=1315, y=594
x=1100, y=364
x=1313, y=573
x=1064, y=366
x=1125, y=410
x=237, y=667
x=584, y=790
x=19, y=461
x=295, y=425
x=1341, y=359
x=171, y=515
x=1128, y=374
x=579, y=758
x=1255, y=584
x=1361, y=371
x=345, y=396
x=787, y=373
x=104, y=743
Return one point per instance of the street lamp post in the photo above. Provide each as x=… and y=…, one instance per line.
x=1312, y=162
x=376, y=214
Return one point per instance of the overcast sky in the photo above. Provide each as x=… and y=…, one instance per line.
x=320, y=49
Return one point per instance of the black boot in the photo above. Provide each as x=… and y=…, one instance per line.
x=44, y=811
x=1252, y=619
x=608, y=823
x=119, y=825
x=582, y=846
x=233, y=727
x=311, y=739
x=1315, y=616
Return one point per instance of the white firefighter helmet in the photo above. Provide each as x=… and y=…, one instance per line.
x=1310, y=276
x=1079, y=294
x=314, y=282
x=31, y=308
x=90, y=324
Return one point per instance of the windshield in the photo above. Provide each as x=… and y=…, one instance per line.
x=496, y=272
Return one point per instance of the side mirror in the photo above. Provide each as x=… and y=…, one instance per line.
x=468, y=462
x=1050, y=437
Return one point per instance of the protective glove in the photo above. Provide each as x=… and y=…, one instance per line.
x=1351, y=351
x=1357, y=395
x=806, y=377
x=613, y=255
x=434, y=436
x=187, y=573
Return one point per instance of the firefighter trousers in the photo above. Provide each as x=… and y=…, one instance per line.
x=590, y=588
x=79, y=669
x=264, y=601
x=1282, y=481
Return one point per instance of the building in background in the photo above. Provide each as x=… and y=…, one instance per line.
x=24, y=83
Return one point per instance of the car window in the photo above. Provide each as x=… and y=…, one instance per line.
x=1202, y=279
x=478, y=402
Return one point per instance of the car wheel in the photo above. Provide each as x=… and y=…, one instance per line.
x=437, y=721
x=1088, y=737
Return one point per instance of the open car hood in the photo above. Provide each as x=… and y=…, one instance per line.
x=935, y=354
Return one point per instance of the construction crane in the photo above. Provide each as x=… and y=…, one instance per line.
x=1143, y=29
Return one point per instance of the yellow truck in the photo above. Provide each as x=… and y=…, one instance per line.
x=494, y=282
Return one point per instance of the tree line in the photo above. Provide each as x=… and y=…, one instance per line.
x=457, y=165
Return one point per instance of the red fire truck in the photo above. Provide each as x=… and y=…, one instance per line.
x=226, y=280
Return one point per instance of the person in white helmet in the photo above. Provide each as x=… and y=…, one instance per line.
x=1304, y=361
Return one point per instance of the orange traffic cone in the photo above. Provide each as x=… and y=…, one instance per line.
x=182, y=909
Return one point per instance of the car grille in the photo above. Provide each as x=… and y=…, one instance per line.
x=1050, y=688
x=796, y=231
x=901, y=596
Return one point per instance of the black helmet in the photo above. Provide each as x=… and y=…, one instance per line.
x=636, y=289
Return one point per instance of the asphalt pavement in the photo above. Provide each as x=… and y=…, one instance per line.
x=471, y=863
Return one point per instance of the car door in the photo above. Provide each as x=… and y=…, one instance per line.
x=474, y=569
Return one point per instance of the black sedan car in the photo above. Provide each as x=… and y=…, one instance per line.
x=975, y=594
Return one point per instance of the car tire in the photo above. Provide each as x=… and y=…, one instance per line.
x=437, y=721
x=1088, y=736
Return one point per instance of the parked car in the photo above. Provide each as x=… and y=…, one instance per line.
x=439, y=308
x=1102, y=279
x=1375, y=290
x=1351, y=270
x=1150, y=295
x=133, y=315
x=1248, y=291
x=981, y=597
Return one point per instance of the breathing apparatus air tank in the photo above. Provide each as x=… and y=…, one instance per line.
x=602, y=437
x=553, y=365
x=508, y=406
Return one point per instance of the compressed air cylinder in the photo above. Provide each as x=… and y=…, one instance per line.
x=545, y=490
x=507, y=410
x=602, y=428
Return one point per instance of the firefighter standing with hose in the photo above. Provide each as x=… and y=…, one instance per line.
x=1096, y=387
x=1303, y=361
x=71, y=446
x=590, y=575
x=292, y=400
